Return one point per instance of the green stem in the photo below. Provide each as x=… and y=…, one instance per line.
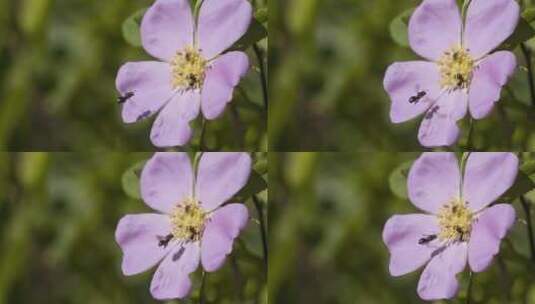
x=202, y=145
x=527, y=55
x=263, y=77
x=469, y=144
x=263, y=233
x=202, y=299
x=527, y=209
x=469, y=291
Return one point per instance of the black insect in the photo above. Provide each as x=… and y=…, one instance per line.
x=192, y=80
x=460, y=80
x=461, y=233
x=163, y=241
x=125, y=98
x=416, y=98
x=431, y=112
x=427, y=239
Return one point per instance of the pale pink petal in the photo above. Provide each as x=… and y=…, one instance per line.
x=488, y=24
x=435, y=27
x=172, y=126
x=487, y=176
x=221, y=229
x=439, y=126
x=166, y=180
x=171, y=280
x=489, y=78
x=220, y=176
x=487, y=232
x=402, y=235
x=221, y=23
x=138, y=235
x=404, y=81
x=148, y=83
x=434, y=180
x=221, y=78
x=167, y=28
x=438, y=280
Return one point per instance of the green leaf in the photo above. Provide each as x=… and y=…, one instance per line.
x=399, y=28
x=522, y=185
x=255, y=33
x=523, y=32
x=130, y=180
x=131, y=26
x=255, y=185
x=398, y=180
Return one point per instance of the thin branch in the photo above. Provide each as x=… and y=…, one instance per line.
x=527, y=55
x=263, y=233
x=263, y=76
x=469, y=291
x=202, y=299
x=527, y=210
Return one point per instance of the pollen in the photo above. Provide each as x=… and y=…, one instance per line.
x=456, y=67
x=188, y=68
x=187, y=220
x=455, y=221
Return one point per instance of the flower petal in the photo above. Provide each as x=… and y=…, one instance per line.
x=171, y=280
x=166, y=180
x=221, y=230
x=172, y=127
x=403, y=81
x=439, y=127
x=138, y=235
x=489, y=78
x=438, y=280
x=488, y=24
x=402, y=234
x=435, y=27
x=487, y=232
x=487, y=176
x=434, y=180
x=220, y=176
x=166, y=28
x=221, y=23
x=150, y=84
x=221, y=78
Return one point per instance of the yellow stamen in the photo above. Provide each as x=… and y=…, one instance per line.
x=456, y=67
x=187, y=220
x=455, y=221
x=188, y=68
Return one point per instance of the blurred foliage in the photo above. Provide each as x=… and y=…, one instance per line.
x=58, y=62
x=328, y=60
x=327, y=212
x=58, y=213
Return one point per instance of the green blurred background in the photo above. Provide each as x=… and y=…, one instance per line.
x=327, y=212
x=58, y=62
x=58, y=214
x=328, y=60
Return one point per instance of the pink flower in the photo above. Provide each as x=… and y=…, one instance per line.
x=193, y=74
x=192, y=225
x=460, y=74
x=459, y=225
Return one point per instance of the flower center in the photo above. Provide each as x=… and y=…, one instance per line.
x=188, y=68
x=187, y=220
x=456, y=67
x=455, y=221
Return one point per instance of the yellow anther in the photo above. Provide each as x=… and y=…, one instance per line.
x=187, y=220
x=456, y=68
x=188, y=68
x=455, y=221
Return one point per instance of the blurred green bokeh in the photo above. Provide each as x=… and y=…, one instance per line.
x=327, y=212
x=58, y=62
x=328, y=60
x=58, y=213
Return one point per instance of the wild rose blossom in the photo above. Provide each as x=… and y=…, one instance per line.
x=459, y=225
x=460, y=74
x=192, y=74
x=191, y=225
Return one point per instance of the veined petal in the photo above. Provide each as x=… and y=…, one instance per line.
x=221, y=229
x=221, y=78
x=489, y=78
x=435, y=27
x=166, y=180
x=172, y=126
x=405, y=82
x=147, y=85
x=487, y=232
x=487, y=176
x=488, y=24
x=167, y=28
x=434, y=180
x=221, y=23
